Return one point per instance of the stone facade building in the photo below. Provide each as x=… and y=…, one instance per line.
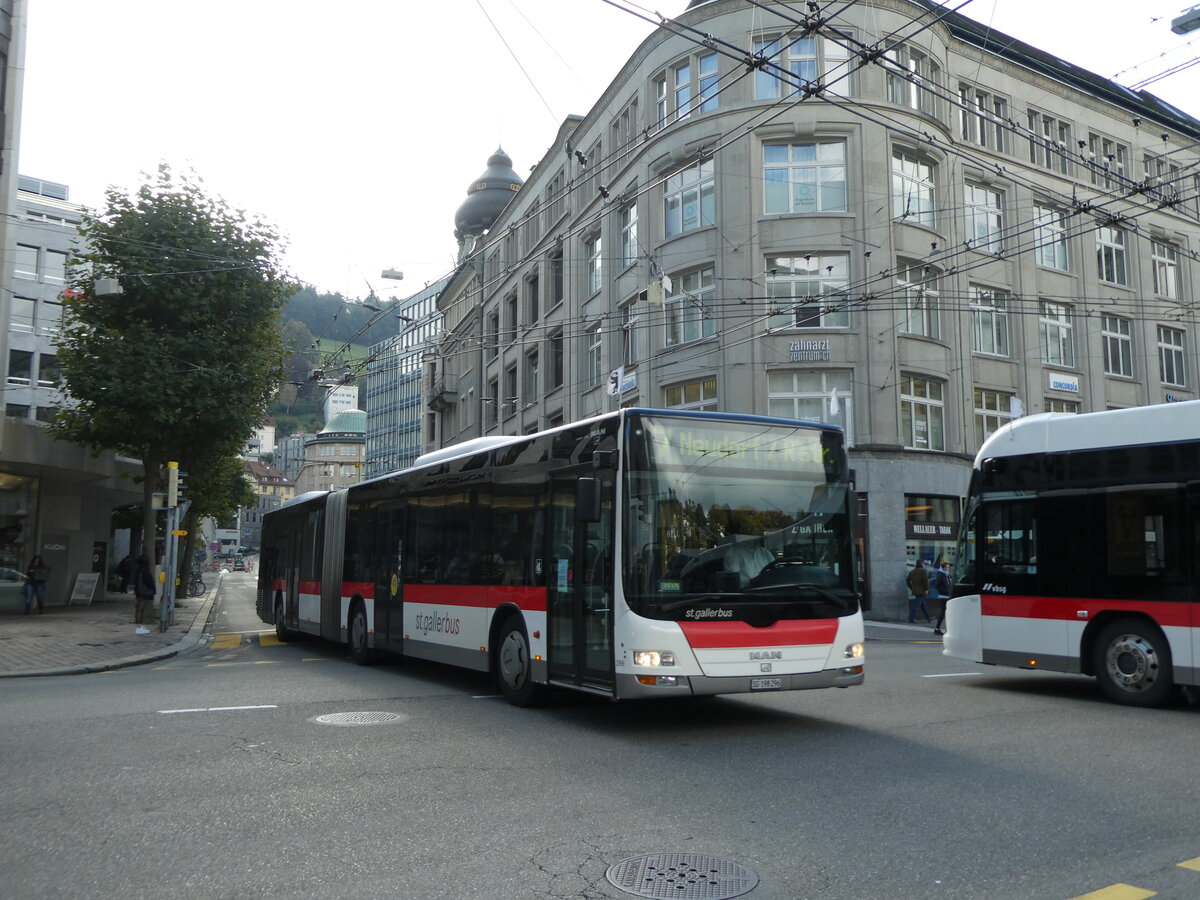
x=892, y=219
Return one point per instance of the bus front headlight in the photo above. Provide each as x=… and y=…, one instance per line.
x=853, y=651
x=653, y=658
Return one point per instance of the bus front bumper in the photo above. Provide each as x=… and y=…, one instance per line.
x=630, y=688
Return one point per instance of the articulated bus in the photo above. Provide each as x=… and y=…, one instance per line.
x=644, y=553
x=1080, y=550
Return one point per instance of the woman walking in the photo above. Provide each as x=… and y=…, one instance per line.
x=35, y=584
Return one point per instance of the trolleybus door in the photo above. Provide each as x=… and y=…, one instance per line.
x=580, y=582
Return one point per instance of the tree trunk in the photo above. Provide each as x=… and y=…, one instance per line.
x=150, y=465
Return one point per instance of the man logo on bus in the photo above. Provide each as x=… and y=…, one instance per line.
x=766, y=654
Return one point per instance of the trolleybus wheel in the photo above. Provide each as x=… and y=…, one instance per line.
x=514, y=671
x=281, y=630
x=1133, y=663
x=356, y=634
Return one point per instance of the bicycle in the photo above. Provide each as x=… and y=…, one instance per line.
x=197, y=587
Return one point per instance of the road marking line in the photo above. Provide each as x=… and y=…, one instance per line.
x=226, y=641
x=314, y=659
x=169, y=712
x=953, y=675
x=269, y=639
x=1118, y=892
x=266, y=662
x=1193, y=864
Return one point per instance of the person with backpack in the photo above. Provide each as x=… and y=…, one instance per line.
x=918, y=582
x=941, y=591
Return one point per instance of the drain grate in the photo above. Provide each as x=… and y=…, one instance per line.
x=687, y=875
x=358, y=718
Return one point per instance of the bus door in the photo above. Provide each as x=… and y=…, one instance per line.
x=579, y=580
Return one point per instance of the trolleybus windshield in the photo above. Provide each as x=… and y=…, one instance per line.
x=732, y=520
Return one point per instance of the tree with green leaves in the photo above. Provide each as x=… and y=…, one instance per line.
x=182, y=363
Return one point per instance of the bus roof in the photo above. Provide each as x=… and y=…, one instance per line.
x=1163, y=423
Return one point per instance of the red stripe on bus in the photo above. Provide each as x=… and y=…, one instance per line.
x=484, y=596
x=365, y=589
x=713, y=635
x=1068, y=608
x=310, y=587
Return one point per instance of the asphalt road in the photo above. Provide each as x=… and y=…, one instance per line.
x=210, y=776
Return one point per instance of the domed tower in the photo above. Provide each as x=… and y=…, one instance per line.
x=486, y=199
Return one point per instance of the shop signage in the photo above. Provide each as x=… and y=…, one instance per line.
x=808, y=351
x=931, y=531
x=1060, y=381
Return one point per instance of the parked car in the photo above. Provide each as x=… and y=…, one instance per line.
x=239, y=564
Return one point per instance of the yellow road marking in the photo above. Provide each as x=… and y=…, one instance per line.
x=1118, y=892
x=267, y=639
x=1193, y=864
x=227, y=641
x=314, y=659
x=266, y=662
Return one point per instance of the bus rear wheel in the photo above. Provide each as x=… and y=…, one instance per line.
x=357, y=636
x=1132, y=662
x=514, y=666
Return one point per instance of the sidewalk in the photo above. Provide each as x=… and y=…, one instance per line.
x=95, y=637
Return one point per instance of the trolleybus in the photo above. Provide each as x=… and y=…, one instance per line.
x=1080, y=550
x=643, y=553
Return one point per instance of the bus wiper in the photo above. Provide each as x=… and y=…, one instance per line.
x=823, y=593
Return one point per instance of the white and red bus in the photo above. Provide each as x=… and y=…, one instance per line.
x=643, y=553
x=1080, y=550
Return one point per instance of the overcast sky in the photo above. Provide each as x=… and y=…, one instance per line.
x=356, y=127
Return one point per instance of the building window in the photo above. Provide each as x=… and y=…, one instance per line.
x=992, y=409
x=55, y=262
x=804, y=178
x=556, y=360
x=1049, y=142
x=22, y=313
x=25, y=262
x=629, y=335
x=1118, y=346
x=1170, y=357
x=532, y=305
x=918, y=285
x=1165, y=259
x=922, y=413
x=593, y=249
x=682, y=90
x=689, y=199
x=492, y=334
x=706, y=66
x=1108, y=159
x=595, y=356
x=989, y=320
x=533, y=388
x=985, y=216
x=689, y=316
x=556, y=278
x=629, y=234
x=700, y=394
x=1058, y=344
x=912, y=188
x=556, y=199
x=50, y=373
x=912, y=79
x=1051, y=235
x=16, y=410
x=1162, y=178
x=512, y=316
x=493, y=402
x=982, y=117
x=510, y=391
x=792, y=66
x=808, y=291
x=814, y=396
x=20, y=366
x=1053, y=404
x=1110, y=255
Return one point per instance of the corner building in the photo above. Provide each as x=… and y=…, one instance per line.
x=892, y=219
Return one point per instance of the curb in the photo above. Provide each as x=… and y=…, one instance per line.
x=190, y=638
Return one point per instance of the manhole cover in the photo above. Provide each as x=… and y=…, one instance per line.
x=690, y=875
x=358, y=718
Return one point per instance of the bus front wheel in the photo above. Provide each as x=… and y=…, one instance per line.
x=1133, y=663
x=514, y=666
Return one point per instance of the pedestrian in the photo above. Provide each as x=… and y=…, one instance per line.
x=918, y=582
x=35, y=584
x=143, y=591
x=124, y=570
x=941, y=591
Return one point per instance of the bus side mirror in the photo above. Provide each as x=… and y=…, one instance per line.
x=587, y=500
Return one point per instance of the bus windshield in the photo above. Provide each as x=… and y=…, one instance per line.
x=737, y=520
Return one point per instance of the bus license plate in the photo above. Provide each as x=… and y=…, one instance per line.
x=766, y=684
